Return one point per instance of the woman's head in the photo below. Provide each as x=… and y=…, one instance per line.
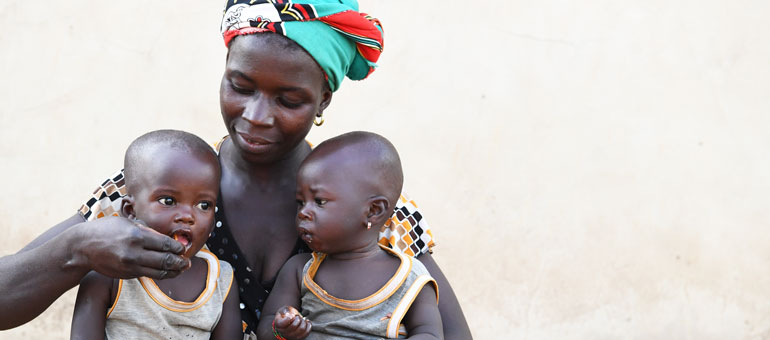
x=284, y=61
x=270, y=93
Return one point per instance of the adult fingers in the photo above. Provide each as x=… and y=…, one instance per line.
x=162, y=261
x=158, y=274
x=156, y=241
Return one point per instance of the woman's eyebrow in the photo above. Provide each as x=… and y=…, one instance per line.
x=292, y=89
x=239, y=74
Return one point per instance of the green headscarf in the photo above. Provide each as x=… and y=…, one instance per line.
x=343, y=41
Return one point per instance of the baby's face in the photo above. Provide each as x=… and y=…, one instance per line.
x=331, y=212
x=177, y=198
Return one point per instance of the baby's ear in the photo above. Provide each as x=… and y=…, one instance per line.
x=379, y=209
x=127, y=207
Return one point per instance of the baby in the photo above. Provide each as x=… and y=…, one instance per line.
x=172, y=183
x=351, y=287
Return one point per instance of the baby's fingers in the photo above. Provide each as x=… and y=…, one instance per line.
x=297, y=329
x=282, y=321
x=305, y=328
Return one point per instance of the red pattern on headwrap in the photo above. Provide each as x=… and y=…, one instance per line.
x=229, y=35
x=361, y=27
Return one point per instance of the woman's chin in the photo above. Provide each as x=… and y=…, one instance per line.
x=258, y=155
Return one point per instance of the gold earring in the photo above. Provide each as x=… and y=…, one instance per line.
x=321, y=122
x=368, y=225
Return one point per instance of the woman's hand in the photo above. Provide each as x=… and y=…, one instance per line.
x=58, y=259
x=121, y=248
x=290, y=324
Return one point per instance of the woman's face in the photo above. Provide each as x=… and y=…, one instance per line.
x=269, y=96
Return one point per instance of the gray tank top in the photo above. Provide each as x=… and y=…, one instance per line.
x=376, y=316
x=142, y=311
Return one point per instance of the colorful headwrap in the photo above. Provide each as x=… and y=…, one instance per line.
x=342, y=40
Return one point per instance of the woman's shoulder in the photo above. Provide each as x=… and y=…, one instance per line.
x=105, y=199
x=407, y=231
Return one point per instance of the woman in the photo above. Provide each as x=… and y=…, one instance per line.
x=284, y=62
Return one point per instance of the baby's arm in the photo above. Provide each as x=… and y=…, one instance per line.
x=93, y=301
x=423, y=320
x=229, y=325
x=285, y=294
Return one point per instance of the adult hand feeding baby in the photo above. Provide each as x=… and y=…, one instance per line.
x=122, y=248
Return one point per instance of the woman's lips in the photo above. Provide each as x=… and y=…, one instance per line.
x=255, y=144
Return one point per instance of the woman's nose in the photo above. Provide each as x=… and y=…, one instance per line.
x=258, y=111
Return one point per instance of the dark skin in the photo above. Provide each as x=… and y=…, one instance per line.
x=269, y=97
x=257, y=189
x=258, y=197
x=339, y=199
x=57, y=260
x=176, y=194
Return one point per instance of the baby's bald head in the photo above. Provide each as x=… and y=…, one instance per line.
x=140, y=158
x=367, y=159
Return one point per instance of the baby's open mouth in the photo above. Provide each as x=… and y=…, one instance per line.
x=306, y=236
x=183, y=237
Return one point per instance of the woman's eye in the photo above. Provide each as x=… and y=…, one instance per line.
x=320, y=201
x=300, y=203
x=204, y=206
x=292, y=104
x=166, y=201
x=239, y=89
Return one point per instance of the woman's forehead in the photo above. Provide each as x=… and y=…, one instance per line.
x=253, y=51
x=260, y=60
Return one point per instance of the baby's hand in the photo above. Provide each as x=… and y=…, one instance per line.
x=290, y=324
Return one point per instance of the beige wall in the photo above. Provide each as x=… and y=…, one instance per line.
x=592, y=170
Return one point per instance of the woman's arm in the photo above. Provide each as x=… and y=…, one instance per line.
x=93, y=301
x=229, y=325
x=56, y=261
x=455, y=326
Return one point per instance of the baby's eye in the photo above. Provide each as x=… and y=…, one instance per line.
x=167, y=201
x=320, y=201
x=300, y=202
x=204, y=206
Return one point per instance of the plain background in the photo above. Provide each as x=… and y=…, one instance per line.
x=591, y=169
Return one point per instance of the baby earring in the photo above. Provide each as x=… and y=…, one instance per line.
x=368, y=225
